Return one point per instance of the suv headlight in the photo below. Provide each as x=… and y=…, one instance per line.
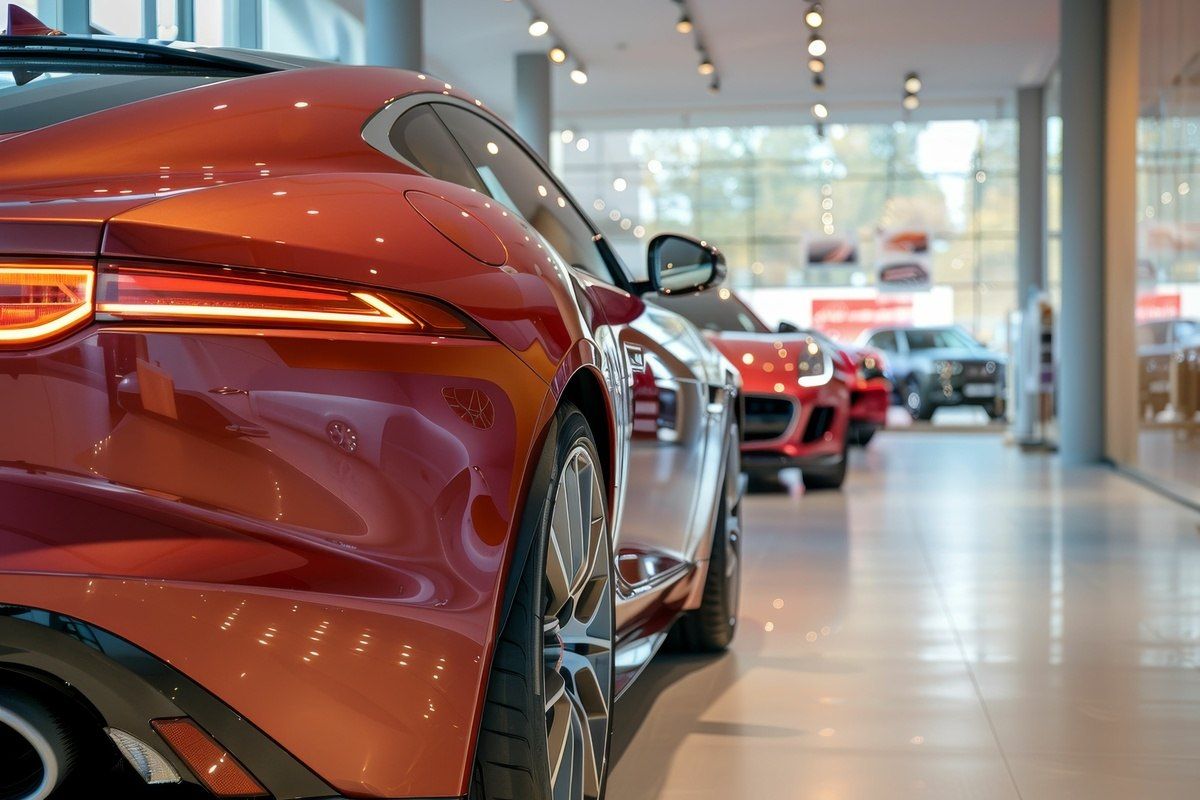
x=815, y=366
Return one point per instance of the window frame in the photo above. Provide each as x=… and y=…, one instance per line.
x=376, y=132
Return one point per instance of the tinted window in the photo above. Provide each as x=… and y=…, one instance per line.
x=52, y=97
x=714, y=311
x=423, y=140
x=884, y=340
x=515, y=179
x=939, y=338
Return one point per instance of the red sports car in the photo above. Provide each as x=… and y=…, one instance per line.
x=870, y=390
x=320, y=467
x=796, y=389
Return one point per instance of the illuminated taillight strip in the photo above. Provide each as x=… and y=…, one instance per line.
x=81, y=311
x=388, y=315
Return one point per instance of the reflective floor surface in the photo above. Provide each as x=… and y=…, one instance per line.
x=962, y=621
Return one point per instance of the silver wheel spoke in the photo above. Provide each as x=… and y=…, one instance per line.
x=578, y=630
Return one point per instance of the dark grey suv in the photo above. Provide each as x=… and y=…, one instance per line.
x=943, y=366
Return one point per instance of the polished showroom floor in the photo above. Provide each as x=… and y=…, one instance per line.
x=962, y=621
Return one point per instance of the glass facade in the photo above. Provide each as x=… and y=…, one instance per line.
x=762, y=193
x=1168, y=245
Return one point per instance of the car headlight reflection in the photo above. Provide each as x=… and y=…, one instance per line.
x=815, y=366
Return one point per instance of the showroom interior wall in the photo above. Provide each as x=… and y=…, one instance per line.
x=762, y=191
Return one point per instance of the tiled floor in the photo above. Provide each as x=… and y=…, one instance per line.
x=961, y=622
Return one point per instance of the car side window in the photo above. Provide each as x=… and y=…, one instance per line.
x=884, y=340
x=422, y=139
x=516, y=180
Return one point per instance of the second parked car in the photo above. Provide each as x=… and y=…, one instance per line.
x=941, y=366
x=796, y=389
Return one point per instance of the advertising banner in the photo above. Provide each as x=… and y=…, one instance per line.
x=830, y=251
x=902, y=261
x=845, y=318
x=1154, y=307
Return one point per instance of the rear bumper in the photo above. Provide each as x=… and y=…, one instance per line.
x=309, y=527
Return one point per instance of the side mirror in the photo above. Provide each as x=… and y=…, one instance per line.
x=680, y=264
x=788, y=327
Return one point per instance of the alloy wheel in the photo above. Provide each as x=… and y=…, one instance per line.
x=577, y=624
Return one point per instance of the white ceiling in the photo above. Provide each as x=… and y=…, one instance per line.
x=971, y=55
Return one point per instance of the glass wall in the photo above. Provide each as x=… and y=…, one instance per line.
x=767, y=195
x=1168, y=245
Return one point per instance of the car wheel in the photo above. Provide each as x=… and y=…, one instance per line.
x=710, y=628
x=995, y=410
x=831, y=477
x=546, y=720
x=861, y=437
x=918, y=407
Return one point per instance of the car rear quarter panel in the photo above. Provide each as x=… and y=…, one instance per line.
x=180, y=487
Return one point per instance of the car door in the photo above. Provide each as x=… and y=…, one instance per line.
x=669, y=489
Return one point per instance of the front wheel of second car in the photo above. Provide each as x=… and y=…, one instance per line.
x=546, y=721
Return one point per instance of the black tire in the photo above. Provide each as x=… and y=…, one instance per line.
x=711, y=627
x=760, y=481
x=996, y=410
x=831, y=477
x=511, y=758
x=861, y=437
x=917, y=404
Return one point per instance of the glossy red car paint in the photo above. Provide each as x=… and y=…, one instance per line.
x=870, y=390
x=182, y=486
x=768, y=366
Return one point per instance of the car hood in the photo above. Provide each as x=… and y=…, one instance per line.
x=765, y=360
x=957, y=354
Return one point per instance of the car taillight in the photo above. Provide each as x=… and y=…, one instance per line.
x=228, y=296
x=41, y=301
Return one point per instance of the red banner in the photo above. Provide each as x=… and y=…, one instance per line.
x=1153, y=307
x=846, y=318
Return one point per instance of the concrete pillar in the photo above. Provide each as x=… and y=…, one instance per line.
x=393, y=34
x=244, y=23
x=1081, y=349
x=69, y=16
x=149, y=19
x=1031, y=245
x=534, y=101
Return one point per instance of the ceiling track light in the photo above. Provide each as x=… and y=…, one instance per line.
x=912, y=83
x=911, y=102
x=706, y=65
x=816, y=65
x=685, y=25
x=820, y=111
x=815, y=16
x=558, y=53
x=816, y=45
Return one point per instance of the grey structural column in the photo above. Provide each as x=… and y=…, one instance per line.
x=73, y=16
x=1081, y=363
x=150, y=19
x=534, y=101
x=1031, y=242
x=393, y=34
x=244, y=23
